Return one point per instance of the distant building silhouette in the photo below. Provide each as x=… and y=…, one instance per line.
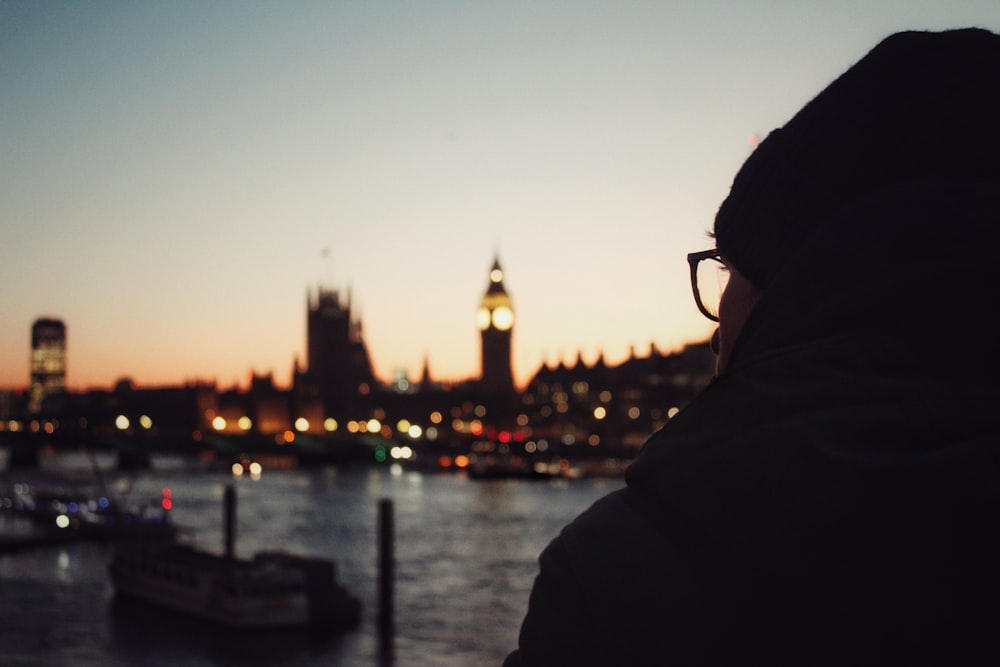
x=48, y=361
x=495, y=319
x=425, y=375
x=616, y=407
x=339, y=370
x=578, y=411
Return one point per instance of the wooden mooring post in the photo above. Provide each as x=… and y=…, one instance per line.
x=229, y=520
x=386, y=571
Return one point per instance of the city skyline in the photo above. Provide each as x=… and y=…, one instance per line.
x=177, y=177
x=496, y=356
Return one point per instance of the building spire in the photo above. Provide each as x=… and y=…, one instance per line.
x=425, y=375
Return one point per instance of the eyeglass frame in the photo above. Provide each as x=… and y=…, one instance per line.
x=695, y=258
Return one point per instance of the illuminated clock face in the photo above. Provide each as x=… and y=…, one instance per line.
x=482, y=318
x=503, y=318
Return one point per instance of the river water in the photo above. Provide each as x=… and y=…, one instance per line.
x=465, y=551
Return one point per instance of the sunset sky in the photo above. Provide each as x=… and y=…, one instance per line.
x=175, y=176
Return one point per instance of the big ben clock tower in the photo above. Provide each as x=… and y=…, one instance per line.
x=495, y=319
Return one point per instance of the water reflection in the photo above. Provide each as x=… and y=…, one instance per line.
x=465, y=554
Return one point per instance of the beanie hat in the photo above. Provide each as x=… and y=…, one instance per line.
x=918, y=106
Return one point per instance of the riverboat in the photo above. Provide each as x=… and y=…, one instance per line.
x=272, y=590
x=74, y=513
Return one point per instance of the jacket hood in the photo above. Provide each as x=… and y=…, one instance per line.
x=854, y=428
x=920, y=105
x=911, y=267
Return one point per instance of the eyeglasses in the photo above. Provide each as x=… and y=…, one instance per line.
x=709, y=277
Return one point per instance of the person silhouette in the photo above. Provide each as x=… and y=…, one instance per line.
x=832, y=497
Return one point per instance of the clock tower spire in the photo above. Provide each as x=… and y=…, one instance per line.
x=495, y=319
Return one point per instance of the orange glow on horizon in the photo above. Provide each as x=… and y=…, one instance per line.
x=455, y=361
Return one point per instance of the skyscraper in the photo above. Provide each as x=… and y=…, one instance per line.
x=495, y=319
x=48, y=361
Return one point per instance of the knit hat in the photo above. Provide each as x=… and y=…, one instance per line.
x=918, y=106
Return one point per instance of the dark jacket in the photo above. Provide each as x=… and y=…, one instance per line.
x=834, y=497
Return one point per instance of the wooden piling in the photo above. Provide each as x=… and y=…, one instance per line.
x=230, y=521
x=386, y=571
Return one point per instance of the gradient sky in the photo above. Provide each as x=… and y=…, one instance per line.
x=174, y=176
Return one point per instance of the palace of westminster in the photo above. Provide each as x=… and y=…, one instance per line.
x=578, y=410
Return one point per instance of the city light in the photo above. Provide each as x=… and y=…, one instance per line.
x=556, y=413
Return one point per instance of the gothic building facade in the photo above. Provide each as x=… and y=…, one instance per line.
x=338, y=374
x=495, y=319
